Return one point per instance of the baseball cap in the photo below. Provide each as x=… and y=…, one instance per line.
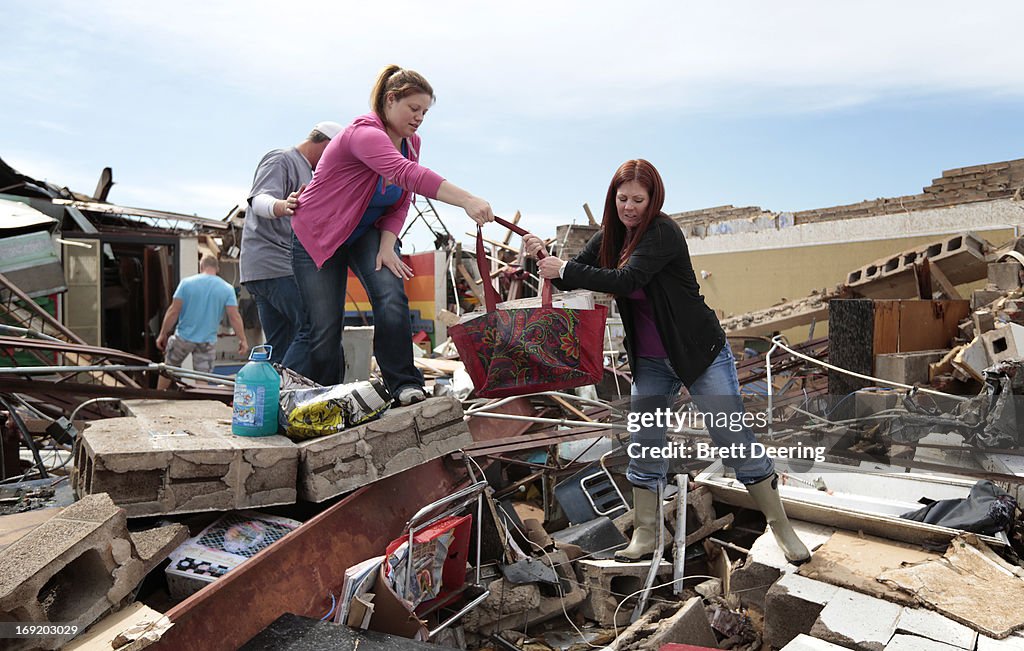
x=329, y=129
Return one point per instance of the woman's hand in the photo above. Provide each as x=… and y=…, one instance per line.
x=549, y=267
x=533, y=245
x=388, y=257
x=478, y=210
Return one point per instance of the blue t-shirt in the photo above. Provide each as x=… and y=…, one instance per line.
x=379, y=203
x=203, y=299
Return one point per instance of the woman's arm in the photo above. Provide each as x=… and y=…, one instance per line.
x=477, y=209
x=653, y=252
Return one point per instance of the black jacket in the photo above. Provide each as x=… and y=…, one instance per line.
x=661, y=265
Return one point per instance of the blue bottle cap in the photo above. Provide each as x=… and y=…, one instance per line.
x=261, y=353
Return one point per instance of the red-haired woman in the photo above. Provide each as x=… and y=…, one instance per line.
x=673, y=339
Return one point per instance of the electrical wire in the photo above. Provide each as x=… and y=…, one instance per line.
x=615, y=614
x=777, y=341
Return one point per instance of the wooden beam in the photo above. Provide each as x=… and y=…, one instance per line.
x=576, y=412
x=508, y=234
x=590, y=215
x=472, y=282
x=498, y=244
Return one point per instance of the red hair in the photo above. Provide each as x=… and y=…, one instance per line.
x=617, y=244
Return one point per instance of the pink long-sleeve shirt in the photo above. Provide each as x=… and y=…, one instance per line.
x=344, y=182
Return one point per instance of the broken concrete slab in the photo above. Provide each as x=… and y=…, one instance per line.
x=903, y=642
x=689, y=624
x=609, y=582
x=807, y=643
x=854, y=561
x=74, y=567
x=930, y=624
x=791, y=607
x=1014, y=642
x=857, y=621
x=766, y=562
x=969, y=584
x=404, y=437
x=181, y=457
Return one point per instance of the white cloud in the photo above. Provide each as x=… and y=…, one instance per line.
x=545, y=58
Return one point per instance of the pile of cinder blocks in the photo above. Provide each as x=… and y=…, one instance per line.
x=181, y=457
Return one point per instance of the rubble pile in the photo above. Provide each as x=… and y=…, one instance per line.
x=132, y=516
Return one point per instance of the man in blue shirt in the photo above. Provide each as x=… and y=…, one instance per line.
x=199, y=302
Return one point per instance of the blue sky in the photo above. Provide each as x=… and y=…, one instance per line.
x=786, y=105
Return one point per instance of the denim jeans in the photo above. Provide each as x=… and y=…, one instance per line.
x=284, y=321
x=716, y=391
x=323, y=291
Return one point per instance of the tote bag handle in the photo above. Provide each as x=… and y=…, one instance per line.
x=483, y=263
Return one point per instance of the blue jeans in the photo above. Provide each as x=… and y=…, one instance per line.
x=323, y=291
x=716, y=391
x=284, y=321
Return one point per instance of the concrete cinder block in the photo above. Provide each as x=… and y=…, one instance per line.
x=1006, y=343
x=808, y=643
x=76, y=566
x=608, y=582
x=961, y=257
x=983, y=297
x=906, y=368
x=857, y=621
x=982, y=321
x=791, y=607
x=766, y=563
x=1005, y=276
x=180, y=457
x=688, y=625
x=873, y=400
x=401, y=438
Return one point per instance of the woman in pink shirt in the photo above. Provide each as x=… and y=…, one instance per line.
x=351, y=215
